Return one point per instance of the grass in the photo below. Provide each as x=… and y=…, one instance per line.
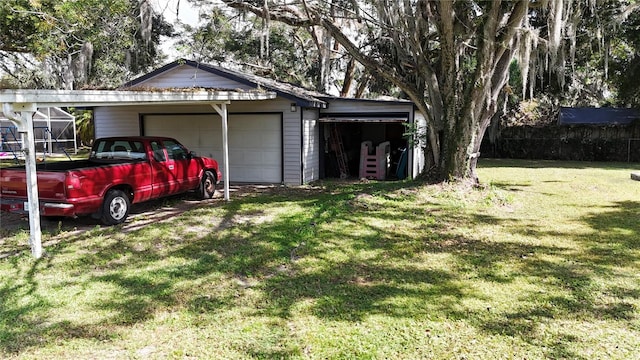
x=541, y=263
x=83, y=153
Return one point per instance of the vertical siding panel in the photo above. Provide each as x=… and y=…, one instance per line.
x=311, y=144
x=292, y=142
x=188, y=76
x=116, y=121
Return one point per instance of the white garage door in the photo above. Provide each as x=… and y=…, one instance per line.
x=255, y=141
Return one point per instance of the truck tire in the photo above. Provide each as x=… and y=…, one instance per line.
x=115, y=208
x=207, y=187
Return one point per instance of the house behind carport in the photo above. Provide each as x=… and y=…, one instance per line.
x=283, y=140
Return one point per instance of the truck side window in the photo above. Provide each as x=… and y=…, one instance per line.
x=102, y=150
x=137, y=151
x=175, y=150
x=158, y=151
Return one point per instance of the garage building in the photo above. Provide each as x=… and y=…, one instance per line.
x=286, y=140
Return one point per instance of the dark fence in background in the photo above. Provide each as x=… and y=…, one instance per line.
x=580, y=143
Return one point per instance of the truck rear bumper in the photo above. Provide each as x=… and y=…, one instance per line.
x=46, y=208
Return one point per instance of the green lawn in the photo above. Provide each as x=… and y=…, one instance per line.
x=10, y=160
x=544, y=262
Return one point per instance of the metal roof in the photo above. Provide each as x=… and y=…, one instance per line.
x=597, y=116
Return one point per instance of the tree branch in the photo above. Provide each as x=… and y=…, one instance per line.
x=285, y=14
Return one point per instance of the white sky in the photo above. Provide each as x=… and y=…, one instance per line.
x=186, y=14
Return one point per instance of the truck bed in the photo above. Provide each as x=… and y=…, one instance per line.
x=70, y=165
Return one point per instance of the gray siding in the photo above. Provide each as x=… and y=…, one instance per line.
x=311, y=145
x=292, y=142
x=188, y=76
x=125, y=120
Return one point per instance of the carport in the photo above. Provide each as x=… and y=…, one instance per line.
x=19, y=105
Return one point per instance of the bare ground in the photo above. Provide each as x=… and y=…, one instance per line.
x=140, y=215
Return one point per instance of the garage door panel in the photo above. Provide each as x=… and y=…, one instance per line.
x=254, y=158
x=265, y=173
x=269, y=157
x=257, y=159
x=247, y=124
x=255, y=141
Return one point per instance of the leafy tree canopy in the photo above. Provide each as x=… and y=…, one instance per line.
x=77, y=43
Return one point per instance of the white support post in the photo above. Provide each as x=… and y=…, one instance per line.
x=75, y=136
x=225, y=150
x=222, y=111
x=48, y=133
x=24, y=123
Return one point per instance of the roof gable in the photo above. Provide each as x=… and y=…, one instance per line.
x=185, y=76
x=210, y=76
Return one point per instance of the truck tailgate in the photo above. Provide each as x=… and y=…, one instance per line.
x=13, y=184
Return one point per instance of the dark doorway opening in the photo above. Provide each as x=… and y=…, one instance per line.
x=345, y=162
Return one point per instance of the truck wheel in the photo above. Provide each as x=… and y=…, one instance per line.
x=115, y=208
x=207, y=187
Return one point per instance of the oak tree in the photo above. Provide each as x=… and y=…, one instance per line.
x=451, y=58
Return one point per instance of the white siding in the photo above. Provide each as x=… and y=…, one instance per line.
x=116, y=121
x=292, y=144
x=188, y=76
x=311, y=146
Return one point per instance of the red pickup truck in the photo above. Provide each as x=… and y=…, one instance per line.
x=120, y=171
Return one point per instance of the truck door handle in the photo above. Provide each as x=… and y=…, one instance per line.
x=170, y=167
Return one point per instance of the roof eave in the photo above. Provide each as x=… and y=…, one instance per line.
x=120, y=97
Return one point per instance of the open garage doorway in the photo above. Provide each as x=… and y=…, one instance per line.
x=363, y=149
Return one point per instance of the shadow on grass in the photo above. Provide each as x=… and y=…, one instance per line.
x=19, y=301
x=556, y=164
x=613, y=244
x=312, y=257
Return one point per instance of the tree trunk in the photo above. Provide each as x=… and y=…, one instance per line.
x=348, y=78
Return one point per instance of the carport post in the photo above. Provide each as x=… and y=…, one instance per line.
x=24, y=123
x=222, y=111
